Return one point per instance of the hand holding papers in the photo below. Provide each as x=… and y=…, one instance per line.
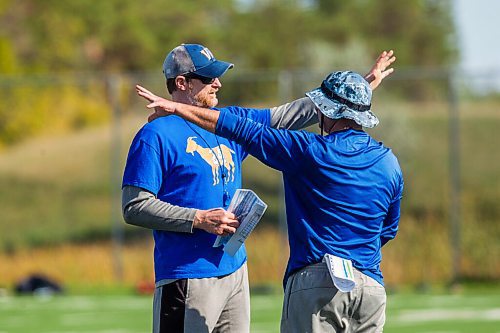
x=248, y=208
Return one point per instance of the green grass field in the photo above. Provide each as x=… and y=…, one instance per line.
x=464, y=313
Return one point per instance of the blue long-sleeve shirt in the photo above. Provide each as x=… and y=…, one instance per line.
x=342, y=191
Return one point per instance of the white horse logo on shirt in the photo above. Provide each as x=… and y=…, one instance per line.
x=213, y=157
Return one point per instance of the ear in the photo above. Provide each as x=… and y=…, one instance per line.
x=181, y=83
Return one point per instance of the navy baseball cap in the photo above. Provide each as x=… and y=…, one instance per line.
x=345, y=95
x=193, y=58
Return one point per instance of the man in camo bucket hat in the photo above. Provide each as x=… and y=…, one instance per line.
x=345, y=95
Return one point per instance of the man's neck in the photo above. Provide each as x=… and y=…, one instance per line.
x=181, y=98
x=341, y=125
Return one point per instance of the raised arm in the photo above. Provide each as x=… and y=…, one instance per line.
x=381, y=69
x=294, y=115
x=301, y=113
x=203, y=117
x=297, y=114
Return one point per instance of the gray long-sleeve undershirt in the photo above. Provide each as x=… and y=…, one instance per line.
x=143, y=209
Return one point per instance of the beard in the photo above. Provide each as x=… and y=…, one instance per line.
x=204, y=99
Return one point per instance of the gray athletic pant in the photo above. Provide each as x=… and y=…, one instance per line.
x=313, y=304
x=218, y=304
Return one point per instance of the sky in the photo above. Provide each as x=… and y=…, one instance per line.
x=478, y=27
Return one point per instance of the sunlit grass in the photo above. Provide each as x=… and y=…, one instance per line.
x=465, y=312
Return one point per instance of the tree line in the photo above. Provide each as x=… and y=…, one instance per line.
x=41, y=37
x=127, y=35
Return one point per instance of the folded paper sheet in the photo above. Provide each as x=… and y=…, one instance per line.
x=248, y=208
x=341, y=272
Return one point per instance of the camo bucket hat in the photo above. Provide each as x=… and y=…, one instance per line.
x=345, y=95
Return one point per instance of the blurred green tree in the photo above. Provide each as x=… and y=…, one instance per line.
x=53, y=35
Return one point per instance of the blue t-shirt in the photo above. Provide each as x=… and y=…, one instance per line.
x=187, y=166
x=342, y=191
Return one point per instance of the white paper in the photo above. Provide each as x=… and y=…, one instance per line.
x=248, y=208
x=341, y=272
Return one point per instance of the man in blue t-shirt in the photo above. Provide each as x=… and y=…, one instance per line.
x=178, y=181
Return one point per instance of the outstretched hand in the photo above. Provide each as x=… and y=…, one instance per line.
x=380, y=70
x=163, y=107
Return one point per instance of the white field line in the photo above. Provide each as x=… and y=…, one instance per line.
x=100, y=331
x=410, y=316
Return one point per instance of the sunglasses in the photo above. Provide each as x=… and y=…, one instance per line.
x=203, y=79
